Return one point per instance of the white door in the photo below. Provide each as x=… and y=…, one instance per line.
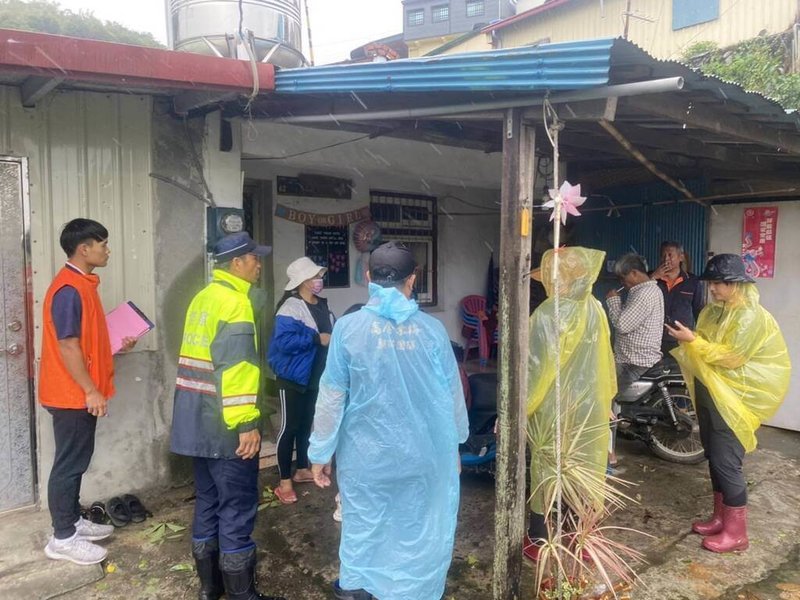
x=17, y=482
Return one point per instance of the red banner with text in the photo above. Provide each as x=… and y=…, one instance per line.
x=758, y=240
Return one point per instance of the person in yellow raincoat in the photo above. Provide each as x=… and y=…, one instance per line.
x=588, y=383
x=737, y=368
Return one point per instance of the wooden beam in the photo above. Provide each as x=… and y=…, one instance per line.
x=685, y=112
x=516, y=227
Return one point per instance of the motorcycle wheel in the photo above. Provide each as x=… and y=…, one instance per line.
x=678, y=447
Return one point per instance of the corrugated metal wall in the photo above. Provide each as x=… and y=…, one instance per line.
x=587, y=19
x=642, y=229
x=90, y=156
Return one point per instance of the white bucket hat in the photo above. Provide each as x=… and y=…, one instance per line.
x=301, y=269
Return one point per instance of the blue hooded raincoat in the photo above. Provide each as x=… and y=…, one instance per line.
x=391, y=407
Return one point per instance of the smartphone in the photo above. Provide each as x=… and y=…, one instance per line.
x=670, y=321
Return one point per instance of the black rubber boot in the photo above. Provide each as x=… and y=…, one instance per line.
x=206, y=560
x=341, y=594
x=239, y=576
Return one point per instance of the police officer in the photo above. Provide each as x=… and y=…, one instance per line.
x=216, y=420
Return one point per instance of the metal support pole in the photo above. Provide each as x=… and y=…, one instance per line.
x=516, y=225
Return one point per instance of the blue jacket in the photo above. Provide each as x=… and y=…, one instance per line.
x=295, y=341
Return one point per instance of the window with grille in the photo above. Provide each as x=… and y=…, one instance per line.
x=411, y=219
x=475, y=8
x=415, y=17
x=441, y=13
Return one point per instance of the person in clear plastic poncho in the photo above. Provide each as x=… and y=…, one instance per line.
x=737, y=369
x=391, y=407
x=588, y=383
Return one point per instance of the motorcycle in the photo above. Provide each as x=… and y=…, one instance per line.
x=657, y=410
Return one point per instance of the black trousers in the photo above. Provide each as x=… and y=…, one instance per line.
x=73, y=430
x=297, y=410
x=723, y=450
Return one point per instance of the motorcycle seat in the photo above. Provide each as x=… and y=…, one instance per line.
x=666, y=366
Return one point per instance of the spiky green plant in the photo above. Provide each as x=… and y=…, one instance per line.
x=585, y=554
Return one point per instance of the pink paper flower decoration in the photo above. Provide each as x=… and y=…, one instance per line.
x=571, y=199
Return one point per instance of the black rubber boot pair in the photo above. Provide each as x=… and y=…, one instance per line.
x=341, y=594
x=206, y=560
x=239, y=576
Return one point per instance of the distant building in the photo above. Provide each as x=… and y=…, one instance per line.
x=664, y=28
x=428, y=24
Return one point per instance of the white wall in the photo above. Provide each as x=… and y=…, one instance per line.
x=395, y=165
x=778, y=295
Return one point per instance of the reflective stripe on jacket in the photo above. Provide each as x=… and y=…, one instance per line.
x=218, y=373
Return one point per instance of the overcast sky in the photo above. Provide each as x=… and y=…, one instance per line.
x=337, y=26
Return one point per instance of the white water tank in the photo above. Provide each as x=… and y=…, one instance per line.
x=213, y=26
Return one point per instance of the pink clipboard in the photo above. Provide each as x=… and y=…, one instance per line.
x=126, y=321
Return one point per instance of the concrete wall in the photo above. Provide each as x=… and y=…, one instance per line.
x=588, y=19
x=778, y=295
x=409, y=167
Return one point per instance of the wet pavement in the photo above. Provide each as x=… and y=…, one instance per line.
x=298, y=543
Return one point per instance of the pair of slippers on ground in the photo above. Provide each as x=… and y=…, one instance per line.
x=290, y=497
x=119, y=511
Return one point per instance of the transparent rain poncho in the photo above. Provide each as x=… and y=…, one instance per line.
x=391, y=407
x=740, y=356
x=588, y=384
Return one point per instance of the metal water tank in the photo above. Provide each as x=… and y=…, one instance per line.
x=212, y=27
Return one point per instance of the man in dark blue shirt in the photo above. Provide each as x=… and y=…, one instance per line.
x=684, y=293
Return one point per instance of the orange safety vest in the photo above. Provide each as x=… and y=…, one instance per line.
x=57, y=388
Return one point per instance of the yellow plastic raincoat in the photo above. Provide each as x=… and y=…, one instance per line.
x=740, y=356
x=588, y=383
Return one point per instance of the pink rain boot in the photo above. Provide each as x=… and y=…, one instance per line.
x=714, y=524
x=733, y=537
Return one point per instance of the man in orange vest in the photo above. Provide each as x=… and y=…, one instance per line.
x=75, y=383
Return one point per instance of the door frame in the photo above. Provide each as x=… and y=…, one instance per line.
x=27, y=269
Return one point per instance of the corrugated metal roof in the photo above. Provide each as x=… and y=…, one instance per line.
x=566, y=66
x=548, y=67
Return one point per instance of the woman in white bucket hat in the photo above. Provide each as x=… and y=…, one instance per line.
x=297, y=354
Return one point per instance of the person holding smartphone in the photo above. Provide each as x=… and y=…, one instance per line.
x=737, y=368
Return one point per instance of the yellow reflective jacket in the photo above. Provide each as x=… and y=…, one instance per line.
x=218, y=371
x=740, y=355
x=588, y=383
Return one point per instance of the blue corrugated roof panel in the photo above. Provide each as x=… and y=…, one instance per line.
x=564, y=66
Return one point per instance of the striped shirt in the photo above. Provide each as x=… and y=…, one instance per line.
x=638, y=325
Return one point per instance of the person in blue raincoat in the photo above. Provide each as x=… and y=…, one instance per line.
x=391, y=407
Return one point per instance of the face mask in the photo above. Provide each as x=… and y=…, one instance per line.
x=316, y=286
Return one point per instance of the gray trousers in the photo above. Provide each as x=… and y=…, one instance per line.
x=723, y=450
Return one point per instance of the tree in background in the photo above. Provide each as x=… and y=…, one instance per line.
x=47, y=16
x=762, y=64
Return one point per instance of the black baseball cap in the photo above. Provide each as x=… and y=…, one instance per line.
x=391, y=263
x=728, y=268
x=238, y=244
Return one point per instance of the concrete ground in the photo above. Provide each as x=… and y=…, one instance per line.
x=298, y=543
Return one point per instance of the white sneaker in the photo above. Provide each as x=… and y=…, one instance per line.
x=75, y=549
x=94, y=532
x=337, y=514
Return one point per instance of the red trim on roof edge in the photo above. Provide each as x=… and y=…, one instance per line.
x=79, y=59
x=524, y=15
